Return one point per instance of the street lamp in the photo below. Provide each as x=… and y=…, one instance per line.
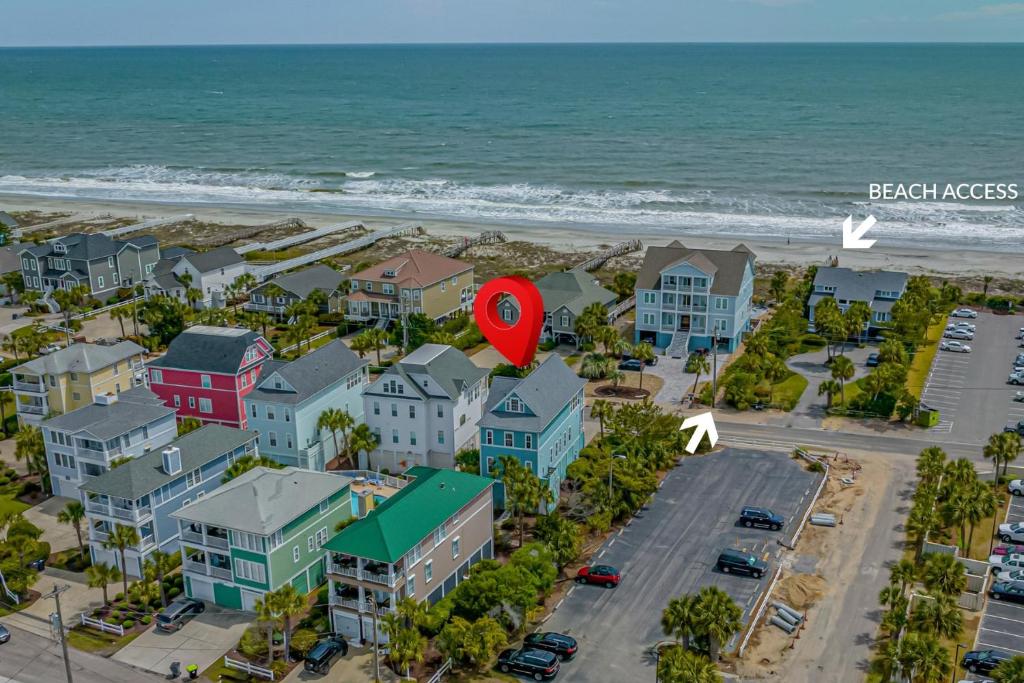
x=611, y=463
x=956, y=661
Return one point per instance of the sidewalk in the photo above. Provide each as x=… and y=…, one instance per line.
x=355, y=667
x=77, y=599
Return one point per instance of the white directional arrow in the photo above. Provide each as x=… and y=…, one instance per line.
x=704, y=424
x=852, y=238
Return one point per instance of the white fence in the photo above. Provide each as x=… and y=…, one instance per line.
x=445, y=668
x=101, y=625
x=248, y=668
x=312, y=339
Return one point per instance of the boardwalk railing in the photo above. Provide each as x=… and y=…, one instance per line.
x=620, y=308
x=489, y=237
x=619, y=249
x=445, y=668
x=301, y=238
x=101, y=625
x=248, y=668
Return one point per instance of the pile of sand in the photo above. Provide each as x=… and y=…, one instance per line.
x=800, y=591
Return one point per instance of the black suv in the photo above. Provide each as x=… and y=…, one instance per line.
x=740, y=562
x=763, y=517
x=178, y=612
x=562, y=645
x=319, y=658
x=539, y=664
x=983, y=661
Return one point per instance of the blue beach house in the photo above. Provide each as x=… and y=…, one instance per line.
x=686, y=296
x=537, y=419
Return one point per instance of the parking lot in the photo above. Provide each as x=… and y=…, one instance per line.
x=1002, y=623
x=970, y=389
x=670, y=549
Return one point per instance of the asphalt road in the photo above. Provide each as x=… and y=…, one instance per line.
x=29, y=658
x=670, y=550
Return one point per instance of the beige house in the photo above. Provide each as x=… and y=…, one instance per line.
x=419, y=543
x=73, y=377
x=417, y=281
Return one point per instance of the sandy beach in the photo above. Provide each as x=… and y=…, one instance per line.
x=964, y=266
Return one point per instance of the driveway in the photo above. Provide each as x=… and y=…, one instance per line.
x=357, y=665
x=670, y=549
x=810, y=409
x=677, y=382
x=78, y=598
x=201, y=641
x=59, y=536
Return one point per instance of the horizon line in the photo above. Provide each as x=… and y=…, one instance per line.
x=471, y=43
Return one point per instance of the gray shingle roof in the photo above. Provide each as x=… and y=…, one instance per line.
x=221, y=257
x=9, y=259
x=208, y=349
x=263, y=500
x=858, y=285
x=545, y=391
x=144, y=474
x=90, y=246
x=448, y=366
x=572, y=289
x=81, y=358
x=727, y=266
x=142, y=241
x=175, y=252
x=308, y=375
x=302, y=282
x=132, y=409
x=8, y=220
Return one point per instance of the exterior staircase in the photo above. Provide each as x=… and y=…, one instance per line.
x=679, y=345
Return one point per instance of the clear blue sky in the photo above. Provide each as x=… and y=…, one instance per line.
x=151, y=22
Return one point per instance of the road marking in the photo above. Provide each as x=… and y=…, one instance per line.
x=999, y=647
x=611, y=543
x=569, y=592
x=559, y=604
x=1002, y=633
x=600, y=554
x=996, y=616
x=1006, y=604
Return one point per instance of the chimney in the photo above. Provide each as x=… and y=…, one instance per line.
x=172, y=460
x=106, y=399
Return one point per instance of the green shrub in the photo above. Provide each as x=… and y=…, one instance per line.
x=128, y=623
x=146, y=620
x=4, y=481
x=11, y=473
x=548, y=345
x=173, y=592
x=118, y=597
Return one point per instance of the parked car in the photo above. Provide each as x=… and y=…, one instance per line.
x=563, y=646
x=957, y=333
x=964, y=325
x=1011, y=532
x=872, y=361
x=754, y=516
x=1016, y=487
x=741, y=562
x=631, y=364
x=964, y=313
x=1008, y=549
x=38, y=565
x=539, y=664
x=648, y=363
x=319, y=658
x=1012, y=576
x=955, y=346
x=983, y=661
x=600, y=574
x=1011, y=591
x=49, y=348
x=5, y=635
x=180, y=611
x=1015, y=378
x=1019, y=397
x=1015, y=427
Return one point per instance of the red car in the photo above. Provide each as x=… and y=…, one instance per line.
x=1008, y=549
x=600, y=574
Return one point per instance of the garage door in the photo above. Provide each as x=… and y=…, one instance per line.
x=347, y=625
x=249, y=601
x=202, y=590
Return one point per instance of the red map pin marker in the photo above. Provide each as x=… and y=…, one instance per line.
x=517, y=342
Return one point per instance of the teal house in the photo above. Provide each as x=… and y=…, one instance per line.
x=537, y=419
x=262, y=530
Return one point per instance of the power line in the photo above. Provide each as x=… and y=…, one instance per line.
x=61, y=635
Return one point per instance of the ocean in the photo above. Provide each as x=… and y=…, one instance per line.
x=772, y=141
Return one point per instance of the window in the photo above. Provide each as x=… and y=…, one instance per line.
x=721, y=303
x=99, y=282
x=721, y=325
x=251, y=571
x=506, y=314
x=110, y=261
x=156, y=376
x=205, y=381
x=193, y=478
x=321, y=537
x=410, y=586
x=565, y=321
x=245, y=380
x=412, y=438
x=462, y=419
x=273, y=438
x=310, y=541
x=456, y=542
x=414, y=556
x=287, y=415
x=205, y=405
x=192, y=402
x=270, y=412
x=648, y=318
x=489, y=437
x=394, y=410
x=376, y=407
x=252, y=410
x=440, y=410
x=388, y=289
x=650, y=298
x=440, y=534
x=369, y=286
x=276, y=539
x=443, y=286
x=528, y=441
x=177, y=401
x=428, y=571
x=700, y=282
x=394, y=436
x=295, y=554
x=288, y=440
x=508, y=439
x=412, y=412
x=324, y=505
x=440, y=436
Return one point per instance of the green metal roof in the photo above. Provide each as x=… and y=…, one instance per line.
x=395, y=526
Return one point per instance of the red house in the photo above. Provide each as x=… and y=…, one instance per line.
x=207, y=371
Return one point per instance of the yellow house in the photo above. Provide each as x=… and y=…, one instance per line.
x=73, y=377
x=417, y=281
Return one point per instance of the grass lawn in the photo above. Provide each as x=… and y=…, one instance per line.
x=787, y=393
x=922, y=361
x=852, y=391
x=9, y=502
x=982, y=533
x=105, y=644
x=219, y=672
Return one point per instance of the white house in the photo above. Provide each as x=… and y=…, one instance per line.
x=210, y=271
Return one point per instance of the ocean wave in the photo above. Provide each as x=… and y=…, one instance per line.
x=621, y=209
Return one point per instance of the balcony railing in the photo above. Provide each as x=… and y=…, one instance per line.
x=33, y=387
x=97, y=535
x=372, y=478
x=208, y=540
x=32, y=409
x=358, y=606
x=383, y=579
x=208, y=570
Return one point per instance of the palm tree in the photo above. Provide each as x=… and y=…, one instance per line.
x=1002, y=449
x=944, y=574
x=120, y=539
x=701, y=366
x=73, y=514
x=162, y=563
x=986, y=504
x=925, y=658
x=524, y=491
x=405, y=642
x=679, y=665
x=602, y=410
x=987, y=280
x=596, y=366
x=336, y=420
x=922, y=520
x=904, y=573
x=266, y=614
x=842, y=370
x=1010, y=671
x=30, y=447
x=289, y=603
x=890, y=595
x=119, y=314
x=718, y=616
x=830, y=388
x=361, y=439
x=262, y=320
x=376, y=340
x=939, y=615
x=931, y=464
x=643, y=352
x=10, y=345
x=679, y=619
x=960, y=510
x=856, y=317
x=895, y=619
x=100, y=575
x=193, y=296
x=246, y=463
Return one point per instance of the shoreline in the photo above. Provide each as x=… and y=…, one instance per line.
x=937, y=262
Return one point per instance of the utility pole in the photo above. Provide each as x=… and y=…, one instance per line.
x=714, y=368
x=55, y=594
x=376, y=648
